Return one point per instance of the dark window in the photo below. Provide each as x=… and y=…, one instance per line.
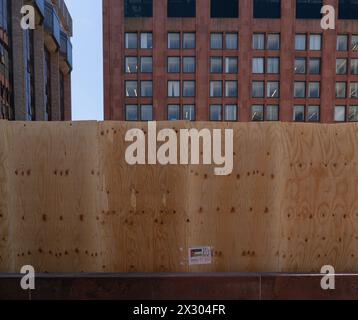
x=224, y=8
x=348, y=9
x=138, y=8
x=181, y=8
x=309, y=9
x=62, y=96
x=48, y=96
x=267, y=9
x=29, y=75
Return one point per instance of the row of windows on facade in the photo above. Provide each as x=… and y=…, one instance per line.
x=305, y=9
x=302, y=89
x=230, y=65
x=4, y=14
x=229, y=112
x=230, y=41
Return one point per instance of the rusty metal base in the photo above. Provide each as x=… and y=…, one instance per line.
x=154, y=286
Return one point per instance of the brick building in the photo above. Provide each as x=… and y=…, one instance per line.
x=35, y=64
x=232, y=60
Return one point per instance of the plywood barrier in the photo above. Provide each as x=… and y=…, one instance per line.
x=70, y=202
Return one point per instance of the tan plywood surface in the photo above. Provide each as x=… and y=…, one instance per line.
x=70, y=202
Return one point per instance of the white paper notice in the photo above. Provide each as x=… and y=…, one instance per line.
x=200, y=255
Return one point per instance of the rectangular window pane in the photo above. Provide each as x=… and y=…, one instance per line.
x=258, y=41
x=314, y=66
x=173, y=64
x=230, y=112
x=353, y=113
x=341, y=89
x=189, y=112
x=258, y=89
x=354, y=66
x=272, y=113
x=315, y=42
x=146, y=88
x=181, y=8
x=216, y=89
x=131, y=89
x=300, y=42
x=215, y=112
x=354, y=90
x=131, y=65
x=273, y=42
x=146, y=40
x=189, y=89
x=146, y=64
x=132, y=113
x=300, y=89
x=231, y=89
x=189, y=40
x=231, y=41
x=173, y=88
x=189, y=64
x=146, y=112
x=258, y=65
x=299, y=113
x=341, y=66
x=342, y=43
x=300, y=65
x=231, y=65
x=314, y=90
x=138, y=8
x=173, y=40
x=173, y=112
x=228, y=10
x=216, y=41
x=267, y=9
x=339, y=113
x=348, y=9
x=216, y=65
x=313, y=113
x=309, y=9
x=273, y=65
x=257, y=113
x=354, y=42
x=131, y=40
x=273, y=89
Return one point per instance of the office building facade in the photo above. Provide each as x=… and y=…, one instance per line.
x=233, y=60
x=36, y=63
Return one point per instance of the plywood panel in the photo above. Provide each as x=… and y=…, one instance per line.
x=70, y=202
x=143, y=215
x=53, y=195
x=5, y=256
x=320, y=206
x=237, y=215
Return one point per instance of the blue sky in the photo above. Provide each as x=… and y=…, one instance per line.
x=87, y=75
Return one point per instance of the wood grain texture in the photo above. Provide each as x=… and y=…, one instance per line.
x=70, y=202
x=6, y=261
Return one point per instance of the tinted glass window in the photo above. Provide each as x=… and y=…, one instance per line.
x=348, y=9
x=131, y=112
x=308, y=9
x=267, y=9
x=230, y=112
x=146, y=112
x=215, y=112
x=224, y=9
x=181, y=8
x=188, y=112
x=188, y=64
x=173, y=112
x=138, y=8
